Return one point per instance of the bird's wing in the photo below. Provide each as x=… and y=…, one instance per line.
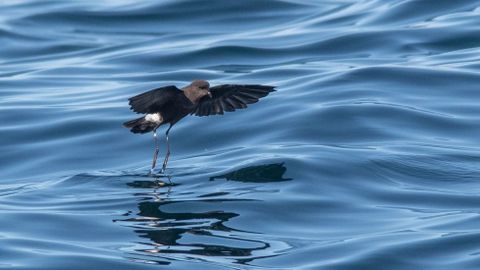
x=229, y=97
x=152, y=101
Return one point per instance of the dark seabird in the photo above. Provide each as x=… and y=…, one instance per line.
x=167, y=105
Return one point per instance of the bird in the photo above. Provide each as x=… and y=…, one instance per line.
x=169, y=104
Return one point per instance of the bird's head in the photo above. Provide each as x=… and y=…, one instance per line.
x=197, y=89
x=201, y=87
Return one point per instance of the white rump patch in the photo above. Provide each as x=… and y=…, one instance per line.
x=154, y=117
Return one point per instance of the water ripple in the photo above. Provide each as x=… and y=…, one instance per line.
x=366, y=156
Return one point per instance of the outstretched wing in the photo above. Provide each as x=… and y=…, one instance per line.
x=152, y=101
x=229, y=97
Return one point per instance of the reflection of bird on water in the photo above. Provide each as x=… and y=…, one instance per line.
x=165, y=229
x=168, y=105
x=202, y=231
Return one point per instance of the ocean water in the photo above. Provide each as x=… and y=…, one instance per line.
x=367, y=156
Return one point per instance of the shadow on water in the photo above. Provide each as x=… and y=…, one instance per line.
x=257, y=174
x=193, y=227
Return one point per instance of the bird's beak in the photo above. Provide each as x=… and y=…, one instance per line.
x=209, y=94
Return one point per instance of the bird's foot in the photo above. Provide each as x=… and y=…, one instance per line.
x=160, y=173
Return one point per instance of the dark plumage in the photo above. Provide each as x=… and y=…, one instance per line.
x=229, y=97
x=167, y=105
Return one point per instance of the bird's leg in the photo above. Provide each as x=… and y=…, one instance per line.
x=155, y=153
x=165, y=161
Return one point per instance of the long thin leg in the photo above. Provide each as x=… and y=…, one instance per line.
x=155, y=153
x=165, y=161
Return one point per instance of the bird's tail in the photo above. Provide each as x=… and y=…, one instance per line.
x=140, y=125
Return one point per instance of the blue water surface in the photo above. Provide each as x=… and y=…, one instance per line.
x=367, y=156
